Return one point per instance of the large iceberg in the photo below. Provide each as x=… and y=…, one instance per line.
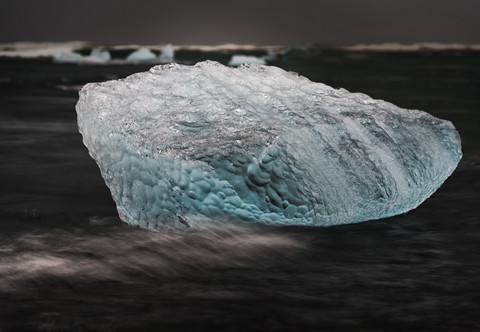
x=180, y=145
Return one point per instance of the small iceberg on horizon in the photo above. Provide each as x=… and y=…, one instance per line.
x=187, y=145
x=97, y=56
x=145, y=55
x=167, y=55
x=141, y=54
x=68, y=57
x=30, y=50
x=238, y=59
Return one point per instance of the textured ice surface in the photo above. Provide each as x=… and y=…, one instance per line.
x=179, y=144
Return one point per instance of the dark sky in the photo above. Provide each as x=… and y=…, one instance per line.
x=244, y=21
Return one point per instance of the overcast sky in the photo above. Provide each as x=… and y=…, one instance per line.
x=244, y=21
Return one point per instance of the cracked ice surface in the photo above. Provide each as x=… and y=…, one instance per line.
x=184, y=144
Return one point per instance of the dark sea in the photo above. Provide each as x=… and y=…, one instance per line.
x=67, y=262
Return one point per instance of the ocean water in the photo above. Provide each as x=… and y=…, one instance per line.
x=68, y=263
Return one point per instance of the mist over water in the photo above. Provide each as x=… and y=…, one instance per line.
x=68, y=263
x=80, y=252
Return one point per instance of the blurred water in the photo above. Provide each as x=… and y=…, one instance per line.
x=68, y=263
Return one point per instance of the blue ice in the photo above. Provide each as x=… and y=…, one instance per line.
x=183, y=145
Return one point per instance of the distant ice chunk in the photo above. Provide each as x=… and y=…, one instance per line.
x=237, y=60
x=271, y=57
x=40, y=49
x=167, y=54
x=415, y=47
x=181, y=144
x=68, y=57
x=146, y=55
x=142, y=54
x=295, y=52
x=97, y=56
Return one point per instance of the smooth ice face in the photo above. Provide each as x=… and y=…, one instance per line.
x=181, y=144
